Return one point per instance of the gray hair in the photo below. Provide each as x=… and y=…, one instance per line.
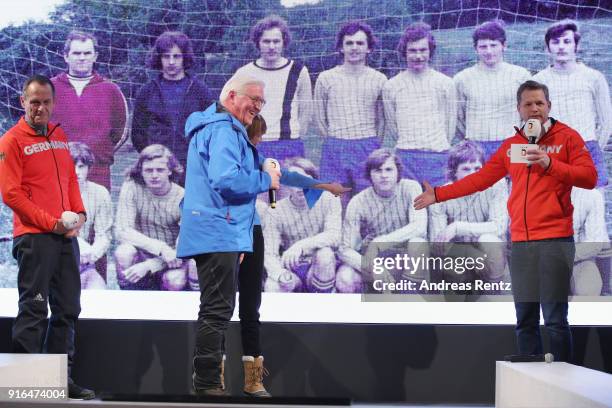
x=238, y=83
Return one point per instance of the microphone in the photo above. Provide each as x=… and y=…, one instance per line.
x=530, y=358
x=532, y=129
x=271, y=165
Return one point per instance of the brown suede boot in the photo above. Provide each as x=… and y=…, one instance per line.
x=253, y=376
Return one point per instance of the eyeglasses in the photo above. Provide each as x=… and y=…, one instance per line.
x=256, y=99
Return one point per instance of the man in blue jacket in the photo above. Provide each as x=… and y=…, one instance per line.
x=218, y=214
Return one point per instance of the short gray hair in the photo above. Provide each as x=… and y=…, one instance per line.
x=238, y=83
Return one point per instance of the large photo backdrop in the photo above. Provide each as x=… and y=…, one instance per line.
x=436, y=101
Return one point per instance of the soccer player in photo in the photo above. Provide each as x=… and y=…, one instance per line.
x=288, y=108
x=486, y=91
x=95, y=235
x=592, y=242
x=348, y=108
x=82, y=89
x=420, y=108
x=480, y=219
x=147, y=225
x=380, y=214
x=163, y=104
x=580, y=95
x=301, y=241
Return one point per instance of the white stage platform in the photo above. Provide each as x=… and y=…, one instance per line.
x=558, y=385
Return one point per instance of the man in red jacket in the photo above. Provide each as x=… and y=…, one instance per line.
x=541, y=218
x=38, y=182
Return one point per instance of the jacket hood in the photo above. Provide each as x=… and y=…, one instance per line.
x=198, y=120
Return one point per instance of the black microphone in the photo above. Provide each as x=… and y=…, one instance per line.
x=530, y=358
x=271, y=165
x=272, y=198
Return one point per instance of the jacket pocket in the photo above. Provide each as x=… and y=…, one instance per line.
x=228, y=216
x=552, y=206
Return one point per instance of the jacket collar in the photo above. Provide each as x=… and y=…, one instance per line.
x=23, y=126
x=63, y=77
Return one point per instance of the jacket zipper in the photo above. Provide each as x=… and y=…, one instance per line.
x=528, y=175
x=525, y=204
x=59, y=181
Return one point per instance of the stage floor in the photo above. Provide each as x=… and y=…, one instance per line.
x=124, y=404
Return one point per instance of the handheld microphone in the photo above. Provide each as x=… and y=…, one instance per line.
x=532, y=129
x=531, y=358
x=271, y=165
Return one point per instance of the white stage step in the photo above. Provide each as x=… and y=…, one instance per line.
x=558, y=385
x=41, y=372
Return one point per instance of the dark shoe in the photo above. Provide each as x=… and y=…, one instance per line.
x=211, y=392
x=208, y=376
x=77, y=392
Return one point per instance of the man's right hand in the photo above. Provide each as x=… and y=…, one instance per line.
x=59, y=228
x=426, y=199
x=275, y=176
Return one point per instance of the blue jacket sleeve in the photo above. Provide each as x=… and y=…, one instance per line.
x=226, y=170
x=295, y=179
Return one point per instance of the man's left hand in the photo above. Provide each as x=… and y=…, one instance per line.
x=535, y=155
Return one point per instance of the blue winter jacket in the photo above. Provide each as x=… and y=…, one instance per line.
x=221, y=185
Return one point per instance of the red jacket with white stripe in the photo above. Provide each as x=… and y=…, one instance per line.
x=539, y=204
x=37, y=178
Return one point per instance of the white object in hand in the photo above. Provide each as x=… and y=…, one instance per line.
x=271, y=165
x=70, y=219
x=532, y=129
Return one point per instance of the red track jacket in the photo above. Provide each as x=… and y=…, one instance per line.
x=539, y=204
x=37, y=178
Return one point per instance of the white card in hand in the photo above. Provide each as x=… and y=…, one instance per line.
x=518, y=153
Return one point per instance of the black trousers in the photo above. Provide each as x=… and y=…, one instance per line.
x=48, y=272
x=217, y=275
x=250, y=286
x=541, y=273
